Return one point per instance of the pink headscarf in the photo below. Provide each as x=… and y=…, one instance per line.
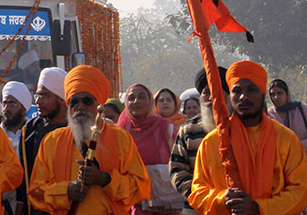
x=150, y=134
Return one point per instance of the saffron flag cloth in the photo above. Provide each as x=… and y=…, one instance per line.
x=216, y=12
x=203, y=14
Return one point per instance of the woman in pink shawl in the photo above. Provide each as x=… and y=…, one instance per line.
x=152, y=134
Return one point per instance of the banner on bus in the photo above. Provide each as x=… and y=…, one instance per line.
x=12, y=19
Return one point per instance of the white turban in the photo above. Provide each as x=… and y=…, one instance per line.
x=53, y=79
x=27, y=59
x=19, y=91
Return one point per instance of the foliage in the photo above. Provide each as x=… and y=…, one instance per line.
x=155, y=54
x=279, y=32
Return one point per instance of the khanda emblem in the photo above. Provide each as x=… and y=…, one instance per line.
x=38, y=24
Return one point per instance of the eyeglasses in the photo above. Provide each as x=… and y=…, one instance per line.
x=40, y=96
x=88, y=101
x=9, y=104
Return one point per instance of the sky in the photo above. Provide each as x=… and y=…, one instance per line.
x=130, y=6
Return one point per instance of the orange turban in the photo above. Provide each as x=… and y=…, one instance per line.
x=84, y=78
x=247, y=70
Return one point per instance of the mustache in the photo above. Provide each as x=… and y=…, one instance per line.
x=7, y=113
x=82, y=113
x=246, y=103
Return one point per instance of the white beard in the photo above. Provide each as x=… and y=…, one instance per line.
x=207, y=114
x=80, y=126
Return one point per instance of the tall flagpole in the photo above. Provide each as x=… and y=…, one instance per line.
x=220, y=111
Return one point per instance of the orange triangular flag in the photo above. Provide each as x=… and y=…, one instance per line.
x=216, y=12
x=201, y=24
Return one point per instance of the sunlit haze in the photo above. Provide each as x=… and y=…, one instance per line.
x=130, y=6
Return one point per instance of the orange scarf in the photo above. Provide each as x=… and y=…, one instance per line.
x=256, y=173
x=177, y=119
x=105, y=154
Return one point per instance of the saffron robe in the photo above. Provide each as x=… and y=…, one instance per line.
x=116, y=154
x=289, y=185
x=11, y=171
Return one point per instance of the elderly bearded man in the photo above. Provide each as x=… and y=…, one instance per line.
x=268, y=159
x=190, y=135
x=118, y=179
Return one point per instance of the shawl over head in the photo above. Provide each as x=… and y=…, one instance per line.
x=247, y=70
x=281, y=84
x=85, y=78
x=290, y=105
x=150, y=134
x=176, y=118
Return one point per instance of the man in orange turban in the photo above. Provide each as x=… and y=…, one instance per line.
x=269, y=158
x=118, y=178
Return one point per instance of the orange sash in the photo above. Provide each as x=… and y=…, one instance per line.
x=256, y=173
x=105, y=154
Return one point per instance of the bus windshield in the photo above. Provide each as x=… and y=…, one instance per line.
x=36, y=52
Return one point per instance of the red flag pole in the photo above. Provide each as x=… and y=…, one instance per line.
x=218, y=103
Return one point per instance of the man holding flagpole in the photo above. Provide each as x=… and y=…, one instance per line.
x=249, y=164
x=269, y=158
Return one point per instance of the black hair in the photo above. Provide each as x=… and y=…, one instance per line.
x=168, y=91
x=279, y=83
x=186, y=101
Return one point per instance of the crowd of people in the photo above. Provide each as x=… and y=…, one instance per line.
x=146, y=156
